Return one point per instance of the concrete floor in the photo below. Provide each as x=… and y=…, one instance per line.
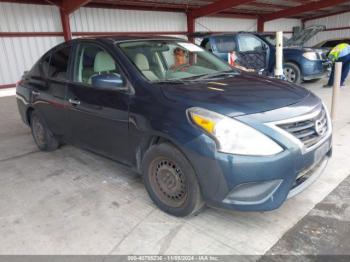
x=74, y=202
x=324, y=231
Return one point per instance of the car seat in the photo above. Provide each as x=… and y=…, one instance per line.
x=141, y=62
x=103, y=63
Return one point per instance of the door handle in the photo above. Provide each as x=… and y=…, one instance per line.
x=74, y=102
x=35, y=93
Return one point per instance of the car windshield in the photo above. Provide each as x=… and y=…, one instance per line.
x=171, y=60
x=272, y=39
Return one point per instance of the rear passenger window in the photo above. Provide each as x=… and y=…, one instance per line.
x=91, y=61
x=58, y=65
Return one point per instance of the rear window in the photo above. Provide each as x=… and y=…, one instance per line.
x=58, y=66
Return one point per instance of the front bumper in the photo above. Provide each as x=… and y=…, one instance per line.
x=267, y=184
x=258, y=183
x=315, y=69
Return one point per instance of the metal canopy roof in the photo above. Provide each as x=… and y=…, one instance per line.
x=263, y=9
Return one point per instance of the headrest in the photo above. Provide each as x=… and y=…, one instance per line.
x=103, y=62
x=141, y=62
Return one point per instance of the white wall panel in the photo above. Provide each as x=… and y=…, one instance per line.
x=283, y=24
x=29, y=18
x=334, y=21
x=18, y=54
x=221, y=24
x=116, y=20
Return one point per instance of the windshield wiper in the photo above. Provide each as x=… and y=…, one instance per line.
x=218, y=74
x=169, y=81
x=198, y=77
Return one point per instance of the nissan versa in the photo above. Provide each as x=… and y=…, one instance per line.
x=198, y=130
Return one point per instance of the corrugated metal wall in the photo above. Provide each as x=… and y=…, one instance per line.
x=217, y=24
x=221, y=24
x=284, y=24
x=114, y=20
x=331, y=22
x=29, y=18
x=18, y=54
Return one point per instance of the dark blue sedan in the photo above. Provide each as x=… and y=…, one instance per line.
x=197, y=130
x=257, y=51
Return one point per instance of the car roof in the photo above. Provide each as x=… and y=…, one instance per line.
x=265, y=33
x=208, y=35
x=221, y=34
x=124, y=38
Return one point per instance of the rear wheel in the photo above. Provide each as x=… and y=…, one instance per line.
x=292, y=73
x=171, y=181
x=43, y=137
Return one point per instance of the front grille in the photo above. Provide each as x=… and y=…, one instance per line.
x=309, y=131
x=307, y=173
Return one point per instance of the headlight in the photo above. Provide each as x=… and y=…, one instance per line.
x=311, y=56
x=232, y=136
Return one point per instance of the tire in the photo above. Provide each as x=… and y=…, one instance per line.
x=292, y=73
x=42, y=136
x=171, y=181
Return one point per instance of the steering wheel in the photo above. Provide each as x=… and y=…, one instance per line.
x=183, y=67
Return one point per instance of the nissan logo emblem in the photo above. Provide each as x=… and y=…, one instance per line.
x=319, y=128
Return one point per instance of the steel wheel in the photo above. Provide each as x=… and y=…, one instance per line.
x=171, y=181
x=43, y=137
x=168, y=182
x=38, y=131
x=290, y=74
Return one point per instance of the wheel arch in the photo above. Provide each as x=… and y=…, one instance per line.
x=292, y=62
x=152, y=140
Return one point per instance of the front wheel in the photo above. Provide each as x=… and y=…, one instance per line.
x=292, y=73
x=171, y=181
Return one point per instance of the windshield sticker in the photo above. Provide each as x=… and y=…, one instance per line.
x=191, y=47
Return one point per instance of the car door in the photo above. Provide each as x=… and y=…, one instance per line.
x=98, y=117
x=252, y=52
x=48, y=91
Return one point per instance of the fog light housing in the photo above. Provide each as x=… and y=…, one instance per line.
x=252, y=193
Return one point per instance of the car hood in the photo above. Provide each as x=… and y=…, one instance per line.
x=304, y=35
x=238, y=95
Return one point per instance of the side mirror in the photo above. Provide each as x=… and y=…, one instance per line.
x=108, y=81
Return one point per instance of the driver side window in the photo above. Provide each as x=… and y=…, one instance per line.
x=92, y=61
x=249, y=43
